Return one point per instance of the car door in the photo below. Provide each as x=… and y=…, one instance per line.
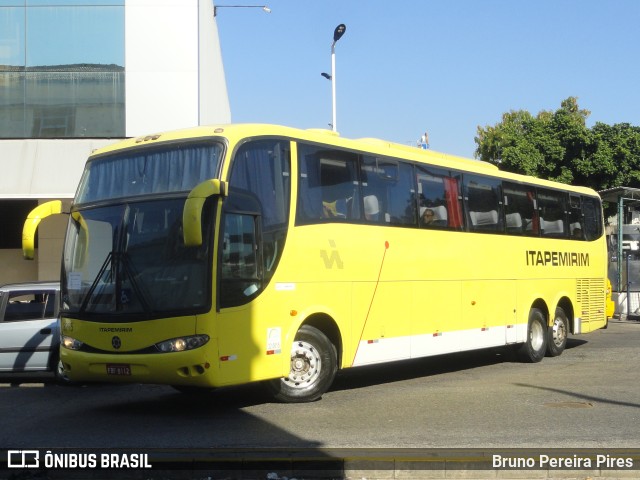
x=28, y=330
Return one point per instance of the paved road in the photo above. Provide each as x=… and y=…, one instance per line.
x=587, y=397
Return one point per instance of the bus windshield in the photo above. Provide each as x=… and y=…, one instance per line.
x=176, y=168
x=129, y=260
x=126, y=257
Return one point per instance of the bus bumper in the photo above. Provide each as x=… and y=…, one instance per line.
x=189, y=368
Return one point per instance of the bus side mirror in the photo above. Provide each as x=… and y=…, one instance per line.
x=192, y=212
x=31, y=225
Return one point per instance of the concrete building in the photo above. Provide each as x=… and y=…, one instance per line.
x=76, y=75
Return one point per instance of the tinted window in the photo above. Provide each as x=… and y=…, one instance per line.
x=552, y=209
x=388, y=191
x=129, y=260
x=521, y=216
x=149, y=171
x=484, y=205
x=328, y=188
x=576, y=221
x=263, y=169
x=240, y=268
x=592, y=218
x=439, y=198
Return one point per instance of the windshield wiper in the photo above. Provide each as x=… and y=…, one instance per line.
x=127, y=271
x=131, y=272
x=94, y=285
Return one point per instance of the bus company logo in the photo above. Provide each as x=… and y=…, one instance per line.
x=23, y=459
x=116, y=342
x=334, y=258
x=115, y=329
x=556, y=259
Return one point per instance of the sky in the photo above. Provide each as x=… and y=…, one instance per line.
x=404, y=67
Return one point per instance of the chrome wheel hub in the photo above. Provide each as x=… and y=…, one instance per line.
x=305, y=365
x=559, y=330
x=537, y=336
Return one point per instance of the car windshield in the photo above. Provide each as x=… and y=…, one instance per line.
x=129, y=261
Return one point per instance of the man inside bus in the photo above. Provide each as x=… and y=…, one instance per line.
x=427, y=217
x=577, y=233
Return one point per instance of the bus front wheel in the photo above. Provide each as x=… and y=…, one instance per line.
x=314, y=363
x=535, y=347
x=557, y=334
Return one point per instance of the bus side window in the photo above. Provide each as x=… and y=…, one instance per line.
x=401, y=204
x=521, y=215
x=484, y=203
x=391, y=183
x=552, y=208
x=576, y=227
x=240, y=271
x=438, y=199
x=263, y=168
x=591, y=210
x=328, y=189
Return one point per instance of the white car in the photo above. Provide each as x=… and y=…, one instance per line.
x=29, y=328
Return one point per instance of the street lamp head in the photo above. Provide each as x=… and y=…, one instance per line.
x=338, y=32
x=337, y=35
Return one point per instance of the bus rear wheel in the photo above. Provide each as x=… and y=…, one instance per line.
x=535, y=347
x=314, y=363
x=557, y=334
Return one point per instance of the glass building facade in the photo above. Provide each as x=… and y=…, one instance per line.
x=78, y=75
x=62, y=69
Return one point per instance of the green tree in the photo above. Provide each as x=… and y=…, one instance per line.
x=559, y=146
x=616, y=154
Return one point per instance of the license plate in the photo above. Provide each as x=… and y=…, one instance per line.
x=118, y=369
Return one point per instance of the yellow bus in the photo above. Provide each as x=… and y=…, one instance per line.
x=228, y=254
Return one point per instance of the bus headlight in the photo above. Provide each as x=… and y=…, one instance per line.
x=182, y=343
x=70, y=343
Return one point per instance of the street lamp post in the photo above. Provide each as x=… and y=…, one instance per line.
x=337, y=34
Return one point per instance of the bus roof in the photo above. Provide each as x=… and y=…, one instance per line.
x=240, y=131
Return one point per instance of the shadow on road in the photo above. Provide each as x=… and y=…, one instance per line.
x=582, y=396
x=249, y=395
x=367, y=376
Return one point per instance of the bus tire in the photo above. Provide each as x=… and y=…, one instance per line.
x=314, y=363
x=535, y=347
x=557, y=334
